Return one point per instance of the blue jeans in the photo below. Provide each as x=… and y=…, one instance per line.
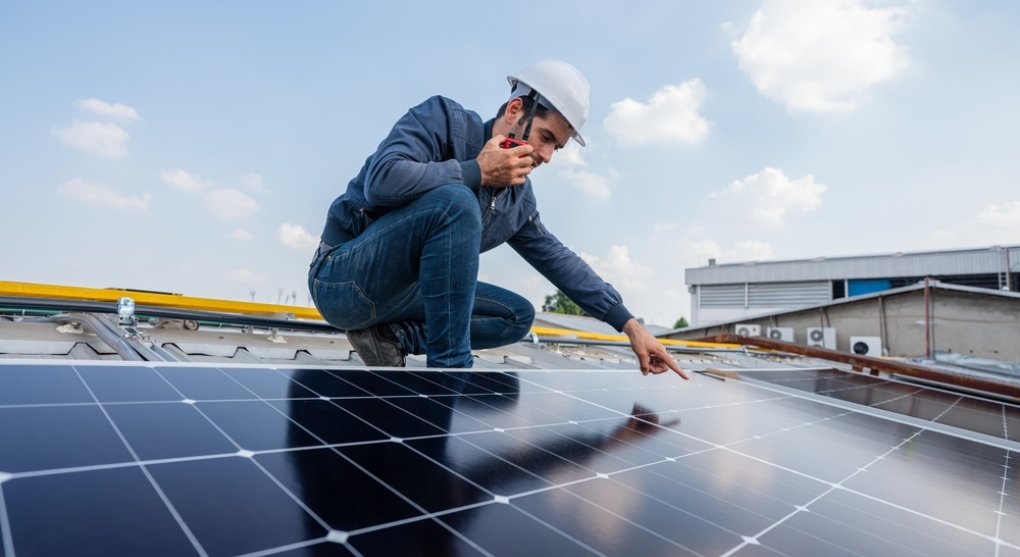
x=415, y=269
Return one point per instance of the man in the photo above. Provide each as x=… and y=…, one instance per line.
x=398, y=263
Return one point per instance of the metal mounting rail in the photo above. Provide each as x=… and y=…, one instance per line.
x=8, y=303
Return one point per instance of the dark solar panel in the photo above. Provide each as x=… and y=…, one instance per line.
x=993, y=418
x=139, y=459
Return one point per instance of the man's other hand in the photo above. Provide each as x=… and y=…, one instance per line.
x=651, y=354
x=504, y=167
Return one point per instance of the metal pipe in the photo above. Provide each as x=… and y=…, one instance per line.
x=881, y=321
x=1010, y=389
x=112, y=339
x=927, y=322
x=621, y=343
x=1009, y=275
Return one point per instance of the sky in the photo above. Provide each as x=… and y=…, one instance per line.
x=194, y=147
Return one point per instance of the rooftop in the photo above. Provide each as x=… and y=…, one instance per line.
x=215, y=433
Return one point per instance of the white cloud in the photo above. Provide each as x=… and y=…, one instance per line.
x=253, y=183
x=295, y=236
x=571, y=155
x=695, y=248
x=97, y=138
x=95, y=193
x=230, y=203
x=820, y=55
x=619, y=269
x=1006, y=216
x=240, y=235
x=247, y=276
x=994, y=225
x=769, y=195
x=590, y=183
x=227, y=203
x=670, y=115
x=699, y=250
x=749, y=250
x=116, y=111
x=185, y=181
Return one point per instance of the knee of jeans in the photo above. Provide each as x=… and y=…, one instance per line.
x=524, y=317
x=525, y=314
x=459, y=203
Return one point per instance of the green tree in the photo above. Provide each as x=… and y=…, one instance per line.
x=560, y=303
x=681, y=322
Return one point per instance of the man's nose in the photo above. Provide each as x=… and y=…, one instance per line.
x=546, y=153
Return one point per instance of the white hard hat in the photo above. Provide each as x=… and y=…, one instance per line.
x=562, y=85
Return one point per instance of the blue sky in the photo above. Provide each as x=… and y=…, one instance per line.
x=194, y=147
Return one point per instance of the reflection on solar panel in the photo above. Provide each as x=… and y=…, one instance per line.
x=173, y=459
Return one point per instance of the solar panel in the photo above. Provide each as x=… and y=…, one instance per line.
x=996, y=419
x=202, y=459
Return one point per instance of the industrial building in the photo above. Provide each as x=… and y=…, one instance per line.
x=731, y=292
x=919, y=320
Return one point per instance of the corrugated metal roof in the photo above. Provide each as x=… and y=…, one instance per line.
x=947, y=262
x=854, y=299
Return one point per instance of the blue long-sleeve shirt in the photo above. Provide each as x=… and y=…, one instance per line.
x=436, y=143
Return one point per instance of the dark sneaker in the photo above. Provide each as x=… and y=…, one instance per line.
x=377, y=346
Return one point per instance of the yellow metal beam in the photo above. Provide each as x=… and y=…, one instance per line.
x=141, y=297
x=570, y=333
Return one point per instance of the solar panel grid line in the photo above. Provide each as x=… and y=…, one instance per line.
x=433, y=517
x=1002, y=500
x=148, y=476
x=634, y=523
x=837, y=485
x=598, y=476
x=367, y=472
x=707, y=493
x=296, y=499
x=558, y=531
x=501, y=495
x=315, y=516
x=753, y=540
x=893, y=416
x=332, y=402
x=690, y=515
x=7, y=544
x=785, y=429
x=291, y=547
x=554, y=487
x=976, y=404
x=933, y=518
x=904, y=548
x=805, y=507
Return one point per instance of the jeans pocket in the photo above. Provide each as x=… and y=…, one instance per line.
x=343, y=304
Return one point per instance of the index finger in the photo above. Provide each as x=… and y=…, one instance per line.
x=669, y=361
x=522, y=150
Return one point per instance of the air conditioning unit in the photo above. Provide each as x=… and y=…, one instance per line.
x=821, y=337
x=784, y=334
x=866, y=346
x=747, y=330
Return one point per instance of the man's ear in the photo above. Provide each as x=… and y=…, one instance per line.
x=514, y=111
